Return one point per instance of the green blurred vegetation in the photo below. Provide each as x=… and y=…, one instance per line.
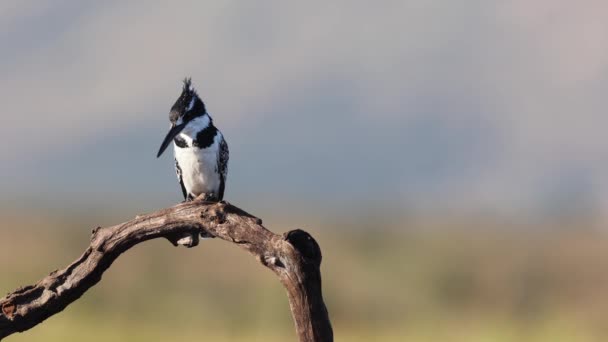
x=424, y=279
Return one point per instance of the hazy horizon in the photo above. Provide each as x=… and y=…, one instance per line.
x=473, y=107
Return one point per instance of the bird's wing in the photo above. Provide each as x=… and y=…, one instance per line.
x=222, y=163
x=178, y=172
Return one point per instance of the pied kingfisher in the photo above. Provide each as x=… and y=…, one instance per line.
x=201, y=153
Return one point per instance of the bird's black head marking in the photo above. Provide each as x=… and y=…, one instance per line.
x=188, y=106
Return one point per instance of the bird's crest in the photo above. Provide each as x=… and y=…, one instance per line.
x=188, y=85
x=188, y=103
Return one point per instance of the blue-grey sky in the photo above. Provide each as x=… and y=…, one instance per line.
x=469, y=105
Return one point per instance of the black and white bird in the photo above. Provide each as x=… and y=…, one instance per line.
x=201, y=153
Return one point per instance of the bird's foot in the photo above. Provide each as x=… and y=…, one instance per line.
x=208, y=197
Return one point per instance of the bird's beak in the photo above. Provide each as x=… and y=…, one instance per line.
x=175, y=129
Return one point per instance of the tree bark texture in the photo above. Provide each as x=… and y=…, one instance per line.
x=295, y=257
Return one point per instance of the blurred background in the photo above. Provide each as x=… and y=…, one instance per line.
x=449, y=158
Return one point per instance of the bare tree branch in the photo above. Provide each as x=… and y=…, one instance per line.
x=294, y=257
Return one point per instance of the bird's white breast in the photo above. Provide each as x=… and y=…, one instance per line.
x=199, y=166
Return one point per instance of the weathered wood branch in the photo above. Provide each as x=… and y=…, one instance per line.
x=295, y=257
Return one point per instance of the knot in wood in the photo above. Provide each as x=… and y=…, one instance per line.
x=305, y=245
x=215, y=213
x=8, y=309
